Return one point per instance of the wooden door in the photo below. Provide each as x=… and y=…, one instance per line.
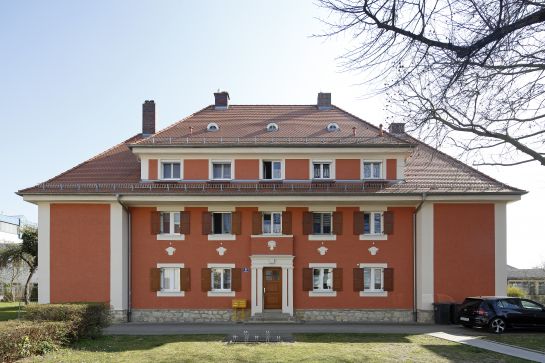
x=272, y=284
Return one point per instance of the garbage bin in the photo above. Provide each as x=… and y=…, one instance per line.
x=454, y=310
x=442, y=313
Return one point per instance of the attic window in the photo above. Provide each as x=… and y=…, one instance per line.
x=212, y=126
x=333, y=127
x=272, y=127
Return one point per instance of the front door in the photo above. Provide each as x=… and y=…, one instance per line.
x=272, y=287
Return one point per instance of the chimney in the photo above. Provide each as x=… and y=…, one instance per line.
x=397, y=128
x=324, y=101
x=221, y=100
x=148, y=117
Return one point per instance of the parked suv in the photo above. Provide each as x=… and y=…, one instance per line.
x=499, y=313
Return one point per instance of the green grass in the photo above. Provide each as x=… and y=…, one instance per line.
x=535, y=341
x=8, y=310
x=307, y=348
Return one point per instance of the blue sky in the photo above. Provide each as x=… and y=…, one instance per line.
x=73, y=76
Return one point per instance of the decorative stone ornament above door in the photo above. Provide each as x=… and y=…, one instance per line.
x=272, y=245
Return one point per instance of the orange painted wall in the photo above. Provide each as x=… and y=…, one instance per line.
x=464, y=251
x=297, y=169
x=347, y=169
x=391, y=169
x=196, y=169
x=153, y=169
x=246, y=169
x=80, y=252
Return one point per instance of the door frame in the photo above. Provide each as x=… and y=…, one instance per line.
x=257, y=297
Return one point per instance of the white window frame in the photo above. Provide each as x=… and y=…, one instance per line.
x=222, y=224
x=372, y=231
x=211, y=169
x=282, y=169
x=322, y=292
x=171, y=235
x=174, y=292
x=331, y=169
x=374, y=292
x=382, y=163
x=322, y=224
x=272, y=224
x=171, y=161
x=221, y=292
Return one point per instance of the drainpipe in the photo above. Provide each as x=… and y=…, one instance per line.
x=415, y=261
x=129, y=241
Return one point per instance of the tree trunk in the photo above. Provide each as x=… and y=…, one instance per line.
x=27, y=295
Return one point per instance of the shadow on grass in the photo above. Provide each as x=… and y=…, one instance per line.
x=465, y=353
x=352, y=338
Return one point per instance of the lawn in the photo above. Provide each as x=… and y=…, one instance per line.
x=307, y=348
x=9, y=310
x=535, y=341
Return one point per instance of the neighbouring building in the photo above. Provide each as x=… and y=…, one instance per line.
x=529, y=280
x=304, y=211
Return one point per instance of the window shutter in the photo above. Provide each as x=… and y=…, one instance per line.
x=286, y=223
x=155, y=279
x=257, y=223
x=338, y=223
x=236, y=279
x=388, y=222
x=337, y=279
x=358, y=279
x=307, y=279
x=358, y=223
x=185, y=279
x=185, y=223
x=236, y=220
x=388, y=279
x=155, y=222
x=206, y=223
x=206, y=279
x=307, y=223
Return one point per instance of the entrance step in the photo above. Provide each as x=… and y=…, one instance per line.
x=272, y=317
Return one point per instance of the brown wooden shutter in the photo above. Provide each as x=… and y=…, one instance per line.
x=388, y=279
x=307, y=279
x=155, y=279
x=206, y=279
x=185, y=223
x=257, y=223
x=388, y=222
x=338, y=223
x=358, y=279
x=358, y=223
x=307, y=223
x=206, y=223
x=286, y=223
x=337, y=279
x=155, y=222
x=236, y=279
x=236, y=222
x=185, y=279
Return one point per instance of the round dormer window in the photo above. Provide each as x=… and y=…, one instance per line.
x=212, y=126
x=272, y=127
x=333, y=127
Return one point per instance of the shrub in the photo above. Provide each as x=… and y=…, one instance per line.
x=19, y=339
x=514, y=291
x=87, y=319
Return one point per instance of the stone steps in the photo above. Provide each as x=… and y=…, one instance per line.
x=272, y=317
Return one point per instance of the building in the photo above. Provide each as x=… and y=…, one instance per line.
x=9, y=229
x=301, y=210
x=529, y=280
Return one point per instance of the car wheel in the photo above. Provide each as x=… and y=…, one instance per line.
x=497, y=325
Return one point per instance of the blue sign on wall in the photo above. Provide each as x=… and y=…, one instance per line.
x=245, y=269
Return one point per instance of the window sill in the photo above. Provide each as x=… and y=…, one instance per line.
x=170, y=237
x=374, y=294
x=373, y=237
x=222, y=237
x=322, y=237
x=272, y=236
x=170, y=293
x=322, y=293
x=221, y=293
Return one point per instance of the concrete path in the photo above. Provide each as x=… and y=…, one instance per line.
x=492, y=346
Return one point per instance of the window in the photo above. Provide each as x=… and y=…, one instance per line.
x=322, y=279
x=321, y=223
x=321, y=170
x=272, y=127
x=212, y=126
x=373, y=279
x=221, y=223
x=170, y=170
x=530, y=305
x=372, y=169
x=372, y=223
x=170, y=279
x=221, y=170
x=272, y=223
x=221, y=279
x=272, y=170
x=170, y=222
x=508, y=304
x=541, y=288
x=333, y=126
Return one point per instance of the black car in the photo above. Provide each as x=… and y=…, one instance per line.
x=499, y=313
